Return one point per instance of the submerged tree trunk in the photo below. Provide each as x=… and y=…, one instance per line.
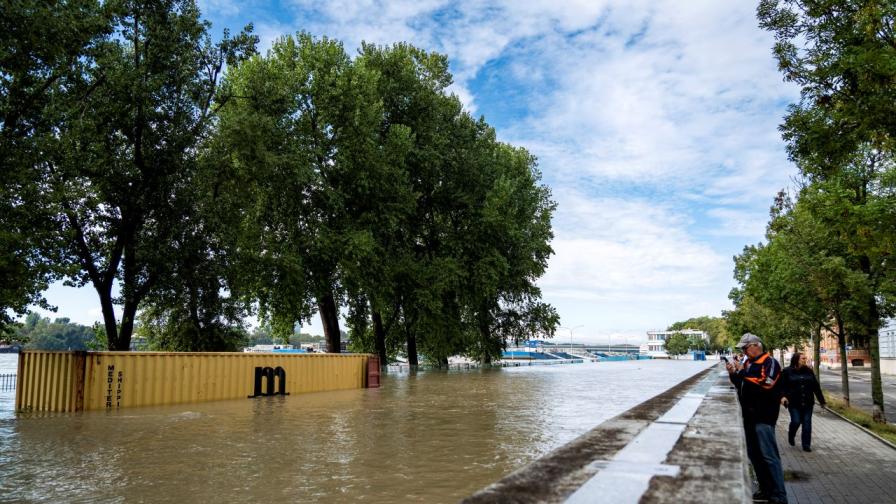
x=412, y=347
x=329, y=317
x=485, y=334
x=379, y=336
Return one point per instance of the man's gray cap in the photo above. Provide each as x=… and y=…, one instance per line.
x=748, y=339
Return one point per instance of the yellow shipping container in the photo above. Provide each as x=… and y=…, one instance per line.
x=77, y=381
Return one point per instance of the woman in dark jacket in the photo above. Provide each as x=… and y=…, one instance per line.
x=800, y=389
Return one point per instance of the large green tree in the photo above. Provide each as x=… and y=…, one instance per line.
x=42, y=44
x=841, y=133
x=677, y=344
x=798, y=282
x=304, y=141
x=463, y=262
x=125, y=147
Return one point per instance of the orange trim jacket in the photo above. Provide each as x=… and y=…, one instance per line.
x=758, y=389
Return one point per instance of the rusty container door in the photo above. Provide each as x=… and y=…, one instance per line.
x=373, y=371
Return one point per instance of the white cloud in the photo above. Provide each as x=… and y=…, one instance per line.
x=220, y=7
x=746, y=223
x=616, y=248
x=630, y=264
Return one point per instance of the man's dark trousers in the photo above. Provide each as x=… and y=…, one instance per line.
x=762, y=449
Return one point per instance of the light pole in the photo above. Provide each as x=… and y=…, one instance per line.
x=571, y=329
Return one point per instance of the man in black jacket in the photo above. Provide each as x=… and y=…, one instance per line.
x=756, y=379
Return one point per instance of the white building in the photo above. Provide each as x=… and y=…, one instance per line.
x=887, y=344
x=656, y=341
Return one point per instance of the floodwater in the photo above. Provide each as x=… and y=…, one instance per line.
x=425, y=437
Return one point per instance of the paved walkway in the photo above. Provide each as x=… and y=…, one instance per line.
x=846, y=464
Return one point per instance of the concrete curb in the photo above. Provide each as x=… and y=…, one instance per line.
x=867, y=431
x=711, y=453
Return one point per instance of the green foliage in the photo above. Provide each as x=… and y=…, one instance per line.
x=677, y=344
x=59, y=334
x=841, y=135
x=697, y=343
x=40, y=46
x=128, y=112
x=262, y=335
x=306, y=180
x=411, y=210
x=177, y=330
x=715, y=327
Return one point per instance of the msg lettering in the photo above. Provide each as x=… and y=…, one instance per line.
x=118, y=391
x=110, y=379
x=268, y=375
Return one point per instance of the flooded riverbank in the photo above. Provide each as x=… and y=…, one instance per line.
x=433, y=436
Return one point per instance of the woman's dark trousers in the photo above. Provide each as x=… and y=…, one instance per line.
x=801, y=417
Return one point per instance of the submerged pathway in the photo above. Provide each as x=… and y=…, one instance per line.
x=846, y=464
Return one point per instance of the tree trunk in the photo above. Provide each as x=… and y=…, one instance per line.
x=109, y=321
x=127, y=324
x=877, y=392
x=485, y=334
x=844, y=374
x=329, y=317
x=816, y=353
x=379, y=336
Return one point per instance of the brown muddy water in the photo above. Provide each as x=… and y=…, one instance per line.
x=426, y=437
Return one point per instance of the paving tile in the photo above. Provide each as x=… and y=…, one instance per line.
x=845, y=465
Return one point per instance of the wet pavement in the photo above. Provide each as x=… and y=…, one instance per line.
x=846, y=464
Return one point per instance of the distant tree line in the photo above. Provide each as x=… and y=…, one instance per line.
x=827, y=262
x=209, y=183
x=716, y=328
x=42, y=333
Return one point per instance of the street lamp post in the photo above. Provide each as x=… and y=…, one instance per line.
x=571, y=329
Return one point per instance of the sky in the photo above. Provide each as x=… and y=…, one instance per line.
x=655, y=124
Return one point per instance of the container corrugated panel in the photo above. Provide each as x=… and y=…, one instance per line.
x=48, y=381
x=112, y=380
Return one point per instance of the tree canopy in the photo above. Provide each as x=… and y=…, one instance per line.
x=677, y=344
x=836, y=242
x=203, y=183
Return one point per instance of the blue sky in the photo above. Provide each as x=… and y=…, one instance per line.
x=655, y=124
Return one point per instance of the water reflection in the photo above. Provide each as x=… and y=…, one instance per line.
x=433, y=436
